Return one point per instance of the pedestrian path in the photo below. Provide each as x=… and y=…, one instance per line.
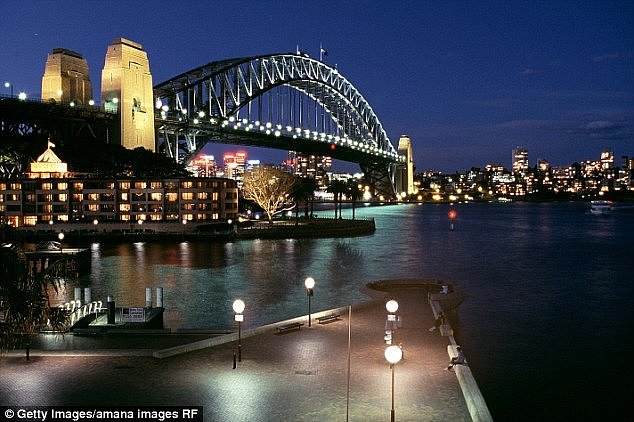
x=297, y=376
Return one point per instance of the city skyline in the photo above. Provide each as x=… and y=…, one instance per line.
x=466, y=82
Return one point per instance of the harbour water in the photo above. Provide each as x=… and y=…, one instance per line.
x=547, y=329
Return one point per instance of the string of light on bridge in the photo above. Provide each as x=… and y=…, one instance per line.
x=269, y=128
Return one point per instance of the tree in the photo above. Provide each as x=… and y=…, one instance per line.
x=303, y=191
x=25, y=307
x=269, y=188
x=354, y=193
x=337, y=188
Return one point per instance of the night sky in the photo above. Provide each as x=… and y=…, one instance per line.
x=467, y=81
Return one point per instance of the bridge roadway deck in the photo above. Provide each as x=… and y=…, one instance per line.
x=297, y=376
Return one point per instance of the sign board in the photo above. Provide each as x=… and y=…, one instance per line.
x=133, y=314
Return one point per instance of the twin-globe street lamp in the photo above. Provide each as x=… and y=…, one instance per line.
x=392, y=307
x=310, y=284
x=238, y=308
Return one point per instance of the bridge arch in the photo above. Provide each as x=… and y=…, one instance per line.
x=288, y=91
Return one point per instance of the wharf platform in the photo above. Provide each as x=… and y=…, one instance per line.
x=300, y=375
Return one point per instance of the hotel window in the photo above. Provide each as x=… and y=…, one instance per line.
x=78, y=186
x=201, y=217
x=62, y=186
x=187, y=195
x=124, y=207
x=214, y=196
x=203, y=195
x=171, y=197
x=188, y=207
x=77, y=197
x=124, y=196
x=214, y=216
x=93, y=196
x=93, y=207
x=188, y=217
x=47, y=208
x=30, y=220
x=63, y=197
x=47, y=186
x=15, y=186
x=124, y=185
x=156, y=196
x=125, y=217
x=156, y=185
x=187, y=184
x=3, y=186
x=62, y=218
x=140, y=185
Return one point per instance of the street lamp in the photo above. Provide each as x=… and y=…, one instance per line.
x=60, y=236
x=393, y=355
x=9, y=85
x=238, y=308
x=310, y=284
x=22, y=96
x=392, y=307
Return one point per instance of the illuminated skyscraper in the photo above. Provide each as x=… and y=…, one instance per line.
x=520, y=160
x=607, y=159
x=311, y=166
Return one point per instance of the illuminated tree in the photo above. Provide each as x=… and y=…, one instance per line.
x=25, y=307
x=270, y=189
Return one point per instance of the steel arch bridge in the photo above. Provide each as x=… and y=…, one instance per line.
x=284, y=101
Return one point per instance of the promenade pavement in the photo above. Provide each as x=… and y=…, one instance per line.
x=297, y=376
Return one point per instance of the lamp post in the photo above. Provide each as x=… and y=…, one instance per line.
x=238, y=308
x=393, y=355
x=9, y=85
x=392, y=307
x=60, y=236
x=310, y=284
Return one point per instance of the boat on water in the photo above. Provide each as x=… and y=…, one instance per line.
x=600, y=207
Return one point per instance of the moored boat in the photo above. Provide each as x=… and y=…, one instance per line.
x=600, y=207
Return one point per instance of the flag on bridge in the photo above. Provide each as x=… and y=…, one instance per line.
x=322, y=52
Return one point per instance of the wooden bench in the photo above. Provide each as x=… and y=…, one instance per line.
x=328, y=318
x=289, y=327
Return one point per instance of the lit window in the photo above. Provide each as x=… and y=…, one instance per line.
x=140, y=185
x=93, y=207
x=156, y=185
x=47, y=186
x=63, y=197
x=124, y=185
x=187, y=184
x=171, y=197
x=156, y=196
x=214, y=196
x=124, y=207
x=62, y=186
x=93, y=196
x=187, y=195
x=30, y=220
x=78, y=186
x=124, y=196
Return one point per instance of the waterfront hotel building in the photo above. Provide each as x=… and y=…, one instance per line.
x=49, y=193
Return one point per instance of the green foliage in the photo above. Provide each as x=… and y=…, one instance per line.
x=24, y=297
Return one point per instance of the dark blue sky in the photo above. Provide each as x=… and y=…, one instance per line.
x=466, y=80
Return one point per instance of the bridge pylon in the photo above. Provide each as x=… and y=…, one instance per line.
x=126, y=88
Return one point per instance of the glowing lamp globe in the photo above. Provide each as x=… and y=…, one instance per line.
x=391, y=306
x=393, y=354
x=309, y=282
x=238, y=306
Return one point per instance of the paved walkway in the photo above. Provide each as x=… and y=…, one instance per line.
x=297, y=376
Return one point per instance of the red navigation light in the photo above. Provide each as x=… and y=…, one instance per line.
x=332, y=146
x=452, y=214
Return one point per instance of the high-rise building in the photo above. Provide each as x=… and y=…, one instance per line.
x=520, y=160
x=310, y=166
x=607, y=158
x=126, y=88
x=66, y=78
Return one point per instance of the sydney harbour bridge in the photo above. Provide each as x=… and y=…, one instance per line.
x=283, y=101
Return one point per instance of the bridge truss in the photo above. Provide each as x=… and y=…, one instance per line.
x=283, y=101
